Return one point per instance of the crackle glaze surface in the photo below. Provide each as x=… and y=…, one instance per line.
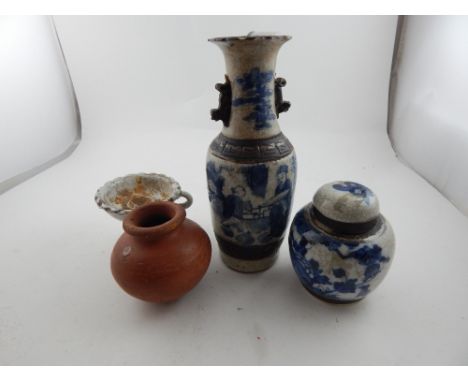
x=251, y=165
x=121, y=195
x=341, y=247
x=250, y=70
x=251, y=202
x=337, y=268
x=346, y=201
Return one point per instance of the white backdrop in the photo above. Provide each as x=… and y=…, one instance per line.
x=134, y=69
x=145, y=87
x=430, y=116
x=39, y=119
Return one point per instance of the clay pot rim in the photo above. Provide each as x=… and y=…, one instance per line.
x=133, y=222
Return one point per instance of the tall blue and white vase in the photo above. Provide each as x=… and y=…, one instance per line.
x=251, y=165
x=341, y=246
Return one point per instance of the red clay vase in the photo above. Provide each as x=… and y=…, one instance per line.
x=161, y=255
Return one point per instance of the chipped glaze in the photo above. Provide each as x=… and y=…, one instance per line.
x=121, y=195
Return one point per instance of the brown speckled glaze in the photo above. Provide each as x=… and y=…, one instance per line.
x=161, y=255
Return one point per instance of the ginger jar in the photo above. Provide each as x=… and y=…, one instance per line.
x=341, y=247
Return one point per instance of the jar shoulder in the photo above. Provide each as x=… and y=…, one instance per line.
x=188, y=240
x=304, y=229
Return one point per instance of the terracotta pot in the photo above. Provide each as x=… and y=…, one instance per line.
x=161, y=255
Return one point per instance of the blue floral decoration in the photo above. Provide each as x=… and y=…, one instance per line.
x=312, y=276
x=255, y=85
x=356, y=189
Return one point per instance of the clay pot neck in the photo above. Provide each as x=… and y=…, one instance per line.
x=154, y=220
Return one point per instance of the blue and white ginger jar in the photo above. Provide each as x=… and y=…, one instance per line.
x=341, y=247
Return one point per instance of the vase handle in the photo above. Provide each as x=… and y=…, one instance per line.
x=189, y=199
x=223, y=112
x=280, y=105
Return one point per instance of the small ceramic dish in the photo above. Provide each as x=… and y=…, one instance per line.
x=121, y=195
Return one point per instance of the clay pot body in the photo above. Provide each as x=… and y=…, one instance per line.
x=251, y=165
x=161, y=255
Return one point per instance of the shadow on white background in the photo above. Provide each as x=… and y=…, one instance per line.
x=39, y=116
x=428, y=107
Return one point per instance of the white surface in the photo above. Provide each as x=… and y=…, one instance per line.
x=58, y=301
x=38, y=116
x=430, y=118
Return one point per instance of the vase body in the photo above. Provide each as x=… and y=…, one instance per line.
x=161, y=255
x=251, y=165
x=341, y=247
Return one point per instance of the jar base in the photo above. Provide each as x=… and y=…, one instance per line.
x=248, y=266
x=331, y=300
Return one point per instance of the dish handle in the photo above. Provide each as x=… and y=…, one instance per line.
x=188, y=199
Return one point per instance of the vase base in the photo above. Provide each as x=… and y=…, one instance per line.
x=248, y=266
x=248, y=259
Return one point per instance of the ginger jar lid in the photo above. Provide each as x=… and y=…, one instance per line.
x=346, y=202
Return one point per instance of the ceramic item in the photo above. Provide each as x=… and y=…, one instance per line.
x=251, y=165
x=121, y=195
x=161, y=255
x=341, y=246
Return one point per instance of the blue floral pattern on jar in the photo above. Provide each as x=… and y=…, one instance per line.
x=337, y=269
x=356, y=189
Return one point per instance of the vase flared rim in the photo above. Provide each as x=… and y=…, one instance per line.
x=250, y=38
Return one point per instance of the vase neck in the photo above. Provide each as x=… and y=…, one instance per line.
x=250, y=70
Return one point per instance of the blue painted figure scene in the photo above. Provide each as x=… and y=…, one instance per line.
x=245, y=215
x=250, y=164
x=280, y=203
